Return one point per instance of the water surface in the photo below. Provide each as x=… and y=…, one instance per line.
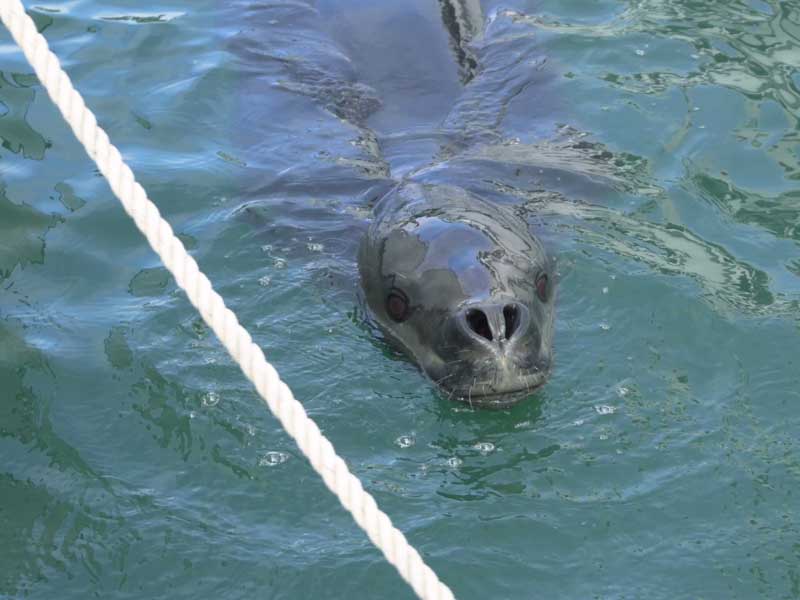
x=654, y=145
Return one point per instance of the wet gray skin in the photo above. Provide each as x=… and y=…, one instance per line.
x=454, y=280
x=461, y=286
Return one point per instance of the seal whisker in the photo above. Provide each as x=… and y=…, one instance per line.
x=441, y=379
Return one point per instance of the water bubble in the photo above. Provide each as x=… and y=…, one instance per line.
x=192, y=414
x=605, y=409
x=484, y=447
x=454, y=462
x=639, y=52
x=265, y=281
x=273, y=458
x=605, y=290
x=313, y=247
x=405, y=441
x=210, y=399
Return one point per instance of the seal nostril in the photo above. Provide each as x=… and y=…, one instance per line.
x=477, y=321
x=511, y=314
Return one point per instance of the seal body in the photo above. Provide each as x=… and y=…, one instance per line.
x=463, y=287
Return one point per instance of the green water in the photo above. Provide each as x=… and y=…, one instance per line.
x=660, y=461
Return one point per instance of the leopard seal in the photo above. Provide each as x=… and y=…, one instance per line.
x=463, y=287
x=451, y=274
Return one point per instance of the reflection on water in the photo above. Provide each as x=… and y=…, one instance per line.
x=749, y=47
x=779, y=213
x=667, y=248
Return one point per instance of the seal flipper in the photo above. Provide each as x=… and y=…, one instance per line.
x=509, y=62
x=516, y=64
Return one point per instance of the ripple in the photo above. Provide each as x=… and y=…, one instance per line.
x=143, y=19
x=273, y=459
x=484, y=447
x=210, y=399
x=405, y=441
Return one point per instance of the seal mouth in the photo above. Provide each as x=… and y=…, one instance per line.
x=483, y=396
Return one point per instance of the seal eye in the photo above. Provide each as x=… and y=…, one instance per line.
x=397, y=306
x=542, y=287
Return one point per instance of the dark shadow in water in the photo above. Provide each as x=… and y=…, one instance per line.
x=167, y=408
x=52, y=529
x=16, y=97
x=463, y=20
x=22, y=235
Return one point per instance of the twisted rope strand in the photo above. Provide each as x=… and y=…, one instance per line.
x=220, y=319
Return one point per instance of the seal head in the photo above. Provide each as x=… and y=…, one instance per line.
x=464, y=288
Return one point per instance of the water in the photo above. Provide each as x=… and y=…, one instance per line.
x=656, y=151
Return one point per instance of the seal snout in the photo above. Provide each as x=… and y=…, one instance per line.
x=499, y=353
x=496, y=324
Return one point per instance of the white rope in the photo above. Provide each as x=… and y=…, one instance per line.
x=234, y=337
